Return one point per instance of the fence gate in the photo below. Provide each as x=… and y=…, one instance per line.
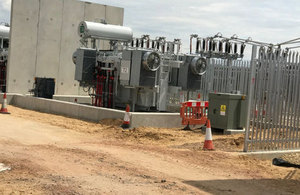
x=273, y=101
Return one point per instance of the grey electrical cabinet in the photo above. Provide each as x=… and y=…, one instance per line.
x=227, y=111
x=85, y=65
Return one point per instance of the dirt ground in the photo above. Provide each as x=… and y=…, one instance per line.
x=50, y=154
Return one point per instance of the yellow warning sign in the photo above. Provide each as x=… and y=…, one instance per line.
x=223, y=110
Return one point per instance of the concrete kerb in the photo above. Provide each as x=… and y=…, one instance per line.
x=71, y=98
x=68, y=109
x=64, y=108
x=88, y=113
x=166, y=120
x=95, y=114
x=23, y=101
x=268, y=155
x=9, y=97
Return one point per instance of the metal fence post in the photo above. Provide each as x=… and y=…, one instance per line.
x=250, y=95
x=229, y=76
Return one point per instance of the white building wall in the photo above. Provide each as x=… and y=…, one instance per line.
x=44, y=37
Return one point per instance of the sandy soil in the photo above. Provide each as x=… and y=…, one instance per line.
x=292, y=158
x=51, y=154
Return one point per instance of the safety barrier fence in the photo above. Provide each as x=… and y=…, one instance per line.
x=194, y=112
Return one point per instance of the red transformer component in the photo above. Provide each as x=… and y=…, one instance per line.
x=2, y=76
x=104, y=87
x=194, y=113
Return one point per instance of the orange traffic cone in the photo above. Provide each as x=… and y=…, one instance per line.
x=4, y=106
x=126, y=121
x=208, y=144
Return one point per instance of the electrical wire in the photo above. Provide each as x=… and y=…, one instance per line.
x=235, y=38
x=295, y=47
x=292, y=41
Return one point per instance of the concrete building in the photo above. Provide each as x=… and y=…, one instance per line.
x=43, y=38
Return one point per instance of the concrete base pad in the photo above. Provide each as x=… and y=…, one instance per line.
x=268, y=155
x=233, y=131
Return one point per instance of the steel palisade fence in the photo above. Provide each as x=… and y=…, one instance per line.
x=225, y=76
x=222, y=76
x=271, y=82
x=274, y=103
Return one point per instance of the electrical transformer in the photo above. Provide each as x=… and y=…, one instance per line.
x=133, y=71
x=142, y=72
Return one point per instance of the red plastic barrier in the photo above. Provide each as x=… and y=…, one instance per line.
x=194, y=112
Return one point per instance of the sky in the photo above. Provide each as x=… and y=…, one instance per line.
x=271, y=21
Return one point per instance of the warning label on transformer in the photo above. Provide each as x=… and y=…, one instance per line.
x=223, y=110
x=124, y=70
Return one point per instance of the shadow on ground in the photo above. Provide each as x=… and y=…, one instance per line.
x=248, y=186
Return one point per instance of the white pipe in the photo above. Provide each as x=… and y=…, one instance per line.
x=104, y=31
x=4, y=32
